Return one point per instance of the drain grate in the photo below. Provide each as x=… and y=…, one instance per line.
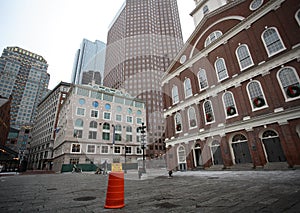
x=86, y=198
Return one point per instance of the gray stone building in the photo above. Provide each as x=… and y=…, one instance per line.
x=97, y=125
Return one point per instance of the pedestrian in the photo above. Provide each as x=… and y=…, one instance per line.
x=170, y=174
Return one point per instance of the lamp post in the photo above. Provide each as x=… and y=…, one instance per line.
x=142, y=128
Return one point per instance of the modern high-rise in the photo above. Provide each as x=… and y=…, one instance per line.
x=143, y=39
x=23, y=75
x=89, y=63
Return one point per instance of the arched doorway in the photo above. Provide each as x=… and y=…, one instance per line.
x=181, y=158
x=240, y=149
x=216, y=153
x=272, y=146
x=198, y=156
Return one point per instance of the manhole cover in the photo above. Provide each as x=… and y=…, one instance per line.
x=166, y=205
x=87, y=198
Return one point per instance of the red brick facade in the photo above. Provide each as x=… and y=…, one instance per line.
x=264, y=124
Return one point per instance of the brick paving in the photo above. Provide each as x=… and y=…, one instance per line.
x=192, y=191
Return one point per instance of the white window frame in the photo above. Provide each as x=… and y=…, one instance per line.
x=114, y=149
x=87, y=149
x=212, y=37
x=225, y=69
x=91, y=112
x=104, y=113
x=282, y=87
x=180, y=122
x=252, y=4
x=188, y=91
x=189, y=117
x=248, y=56
x=127, y=117
x=102, y=146
x=225, y=107
x=262, y=93
x=94, y=131
x=212, y=111
x=175, y=95
x=84, y=110
x=279, y=37
x=297, y=18
x=202, y=80
x=119, y=116
x=71, y=150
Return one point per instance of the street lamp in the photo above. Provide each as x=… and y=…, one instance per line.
x=142, y=128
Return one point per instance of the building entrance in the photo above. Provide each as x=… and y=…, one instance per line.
x=240, y=149
x=273, y=147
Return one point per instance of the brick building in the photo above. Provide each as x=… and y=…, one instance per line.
x=232, y=95
x=5, y=104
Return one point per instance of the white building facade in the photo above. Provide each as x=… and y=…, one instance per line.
x=98, y=125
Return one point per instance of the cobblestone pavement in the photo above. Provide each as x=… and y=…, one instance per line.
x=195, y=191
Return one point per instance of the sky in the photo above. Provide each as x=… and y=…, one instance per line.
x=55, y=29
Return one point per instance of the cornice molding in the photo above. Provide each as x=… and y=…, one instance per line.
x=281, y=118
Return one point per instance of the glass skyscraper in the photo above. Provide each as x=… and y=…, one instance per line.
x=23, y=75
x=89, y=63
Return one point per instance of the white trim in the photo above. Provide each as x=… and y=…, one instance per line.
x=266, y=48
x=287, y=99
x=263, y=94
x=238, y=59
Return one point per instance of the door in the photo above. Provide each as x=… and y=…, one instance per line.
x=241, y=153
x=274, y=150
x=198, y=156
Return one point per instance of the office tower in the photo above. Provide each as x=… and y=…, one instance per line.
x=97, y=124
x=142, y=40
x=89, y=63
x=45, y=128
x=23, y=75
x=236, y=105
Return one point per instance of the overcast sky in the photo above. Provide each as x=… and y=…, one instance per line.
x=54, y=29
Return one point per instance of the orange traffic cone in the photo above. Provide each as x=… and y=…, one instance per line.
x=115, y=191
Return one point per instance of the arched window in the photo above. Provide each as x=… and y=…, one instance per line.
x=79, y=122
x=213, y=36
x=255, y=4
x=229, y=104
x=297, y=16
x=178, y=122
x=93, y=124
x=289, y=82
x=106, y=126
x=256, y=95
x=187, y=88
x=244, y=57
x=202, y=79
x=192, y=117
x=175, y=96
x=181, y=155
x=208, y=110
x=272, y=41
x=221, y=69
